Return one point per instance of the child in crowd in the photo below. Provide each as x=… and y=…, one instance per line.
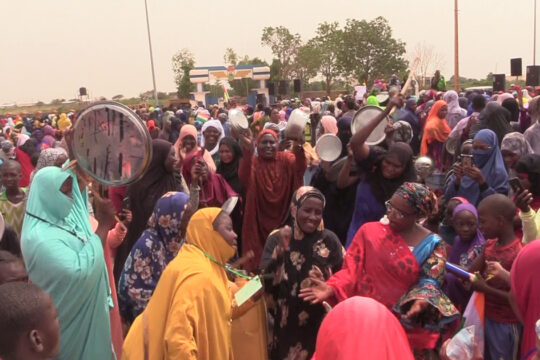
x=11, y=268
x=13, y=197
x=502, y=328
x=467, y=245
x=29, y=326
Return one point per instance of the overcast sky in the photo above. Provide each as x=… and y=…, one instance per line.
x=50, y=48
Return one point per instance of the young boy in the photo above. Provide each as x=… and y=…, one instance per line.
x=29, y=325
x=502, y=328
x=13, y=198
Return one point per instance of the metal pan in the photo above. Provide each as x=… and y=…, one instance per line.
x=237, y=119
x=402, y=132
x=111, y=143
x=328, y=147
x=363, y=116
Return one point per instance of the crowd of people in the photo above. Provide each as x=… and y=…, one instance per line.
x=346, y=259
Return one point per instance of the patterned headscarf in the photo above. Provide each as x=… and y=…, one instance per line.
x=516, y=143
x=299, y=197
x=419, y=197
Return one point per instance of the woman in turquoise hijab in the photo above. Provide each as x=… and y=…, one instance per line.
x=65, y=258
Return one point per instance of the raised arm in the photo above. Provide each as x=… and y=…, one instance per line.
x=358, y=141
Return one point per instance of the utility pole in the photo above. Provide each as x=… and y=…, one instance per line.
x=151, y=55
x=456, y=48
x=534, y=35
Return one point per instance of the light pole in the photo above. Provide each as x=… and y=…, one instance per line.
x=151, y=55
x=456, y=48
x=534, y=35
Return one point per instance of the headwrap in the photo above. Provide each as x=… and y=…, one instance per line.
x=48, y=157
x=189, y=129
x=21, y=139
x=419, y=197
x=230, y=171
x=516, y=143
x=479, y=239
x=63, y=122
x=329, y=124
x=298, y=198
x=525, y=284
x=216, y=124
x=436, y=129
x=451, y=98
x=265, y=132
x=503, y=97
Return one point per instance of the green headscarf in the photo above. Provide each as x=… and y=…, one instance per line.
x=64, y=258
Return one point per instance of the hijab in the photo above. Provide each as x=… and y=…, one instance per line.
x=525, y=284
x=459, y=247
x=513, y=107
x=516, y=143
x=499, y=122
x=191, y=130
x=436, y=129
x=215, y=191
x=230, y=171
x=299, y=197
x=451, y=98
x=383, y=188
x=216, y=124
x=490, y=162
x=361, y=327
x=329, y=124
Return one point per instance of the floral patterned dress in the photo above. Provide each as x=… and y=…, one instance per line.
x=296, y=322
x=156, y=247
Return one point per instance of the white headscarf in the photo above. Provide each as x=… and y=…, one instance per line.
x=216, y=124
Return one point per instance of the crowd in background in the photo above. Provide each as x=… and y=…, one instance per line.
x=352, y=254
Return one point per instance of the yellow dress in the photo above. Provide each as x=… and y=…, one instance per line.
x=189, y=314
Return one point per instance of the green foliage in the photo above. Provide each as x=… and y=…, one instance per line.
x=284, y=46
x=230, y=57
x=368, y=50
x=182, y=63
x=307, y=63
x=327, y=41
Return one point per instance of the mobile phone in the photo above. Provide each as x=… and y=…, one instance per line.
x=467, y=161
x=126, y=204
x=516, y=184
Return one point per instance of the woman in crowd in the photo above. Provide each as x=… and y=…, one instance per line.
x=487, y=175
x=156, y=247
x=525, y=297
x=348, y=333
x=212, y=133
x=290, y=254
x=158, y=179
x=327, y=125
x=435, y=134
x=188, y=317
x=514, y=147
x=499, y=122
x=383, y=172
x=398, y=263
x=446, y=228
x=269, y=180
x=25, y=150
x=213, y=189
x=49, y=136
x=408, y=114
x=455, y=112
x=230, y=154
x=50, y=157
x=187, y=145
x=65, y=258
x=466, y=247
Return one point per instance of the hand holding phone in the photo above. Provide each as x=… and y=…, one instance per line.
x=467, y=161
x=516, y=185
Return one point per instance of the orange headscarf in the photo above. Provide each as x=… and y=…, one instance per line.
x=436, y=129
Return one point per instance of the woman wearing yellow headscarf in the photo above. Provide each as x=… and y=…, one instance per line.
x=189, y=314
x=63, y=122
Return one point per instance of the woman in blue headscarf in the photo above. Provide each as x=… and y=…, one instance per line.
x=408, y=114
x=156, y=247
x=65, y=258
x=487, y=176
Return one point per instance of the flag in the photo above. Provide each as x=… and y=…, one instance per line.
x=225, y=92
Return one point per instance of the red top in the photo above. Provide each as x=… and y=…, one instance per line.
x=499, y=309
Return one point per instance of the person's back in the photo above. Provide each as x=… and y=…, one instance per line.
x=502, y=328
x=188, y=316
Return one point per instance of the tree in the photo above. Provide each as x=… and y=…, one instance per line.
x=327, y=41
x=306, y=63
x=230, y=57
x=117, y=97
x=429, y=60
x=284, y=46
x=368, y=50
x=182, y=63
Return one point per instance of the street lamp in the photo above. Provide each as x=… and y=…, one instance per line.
x=151, y=55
